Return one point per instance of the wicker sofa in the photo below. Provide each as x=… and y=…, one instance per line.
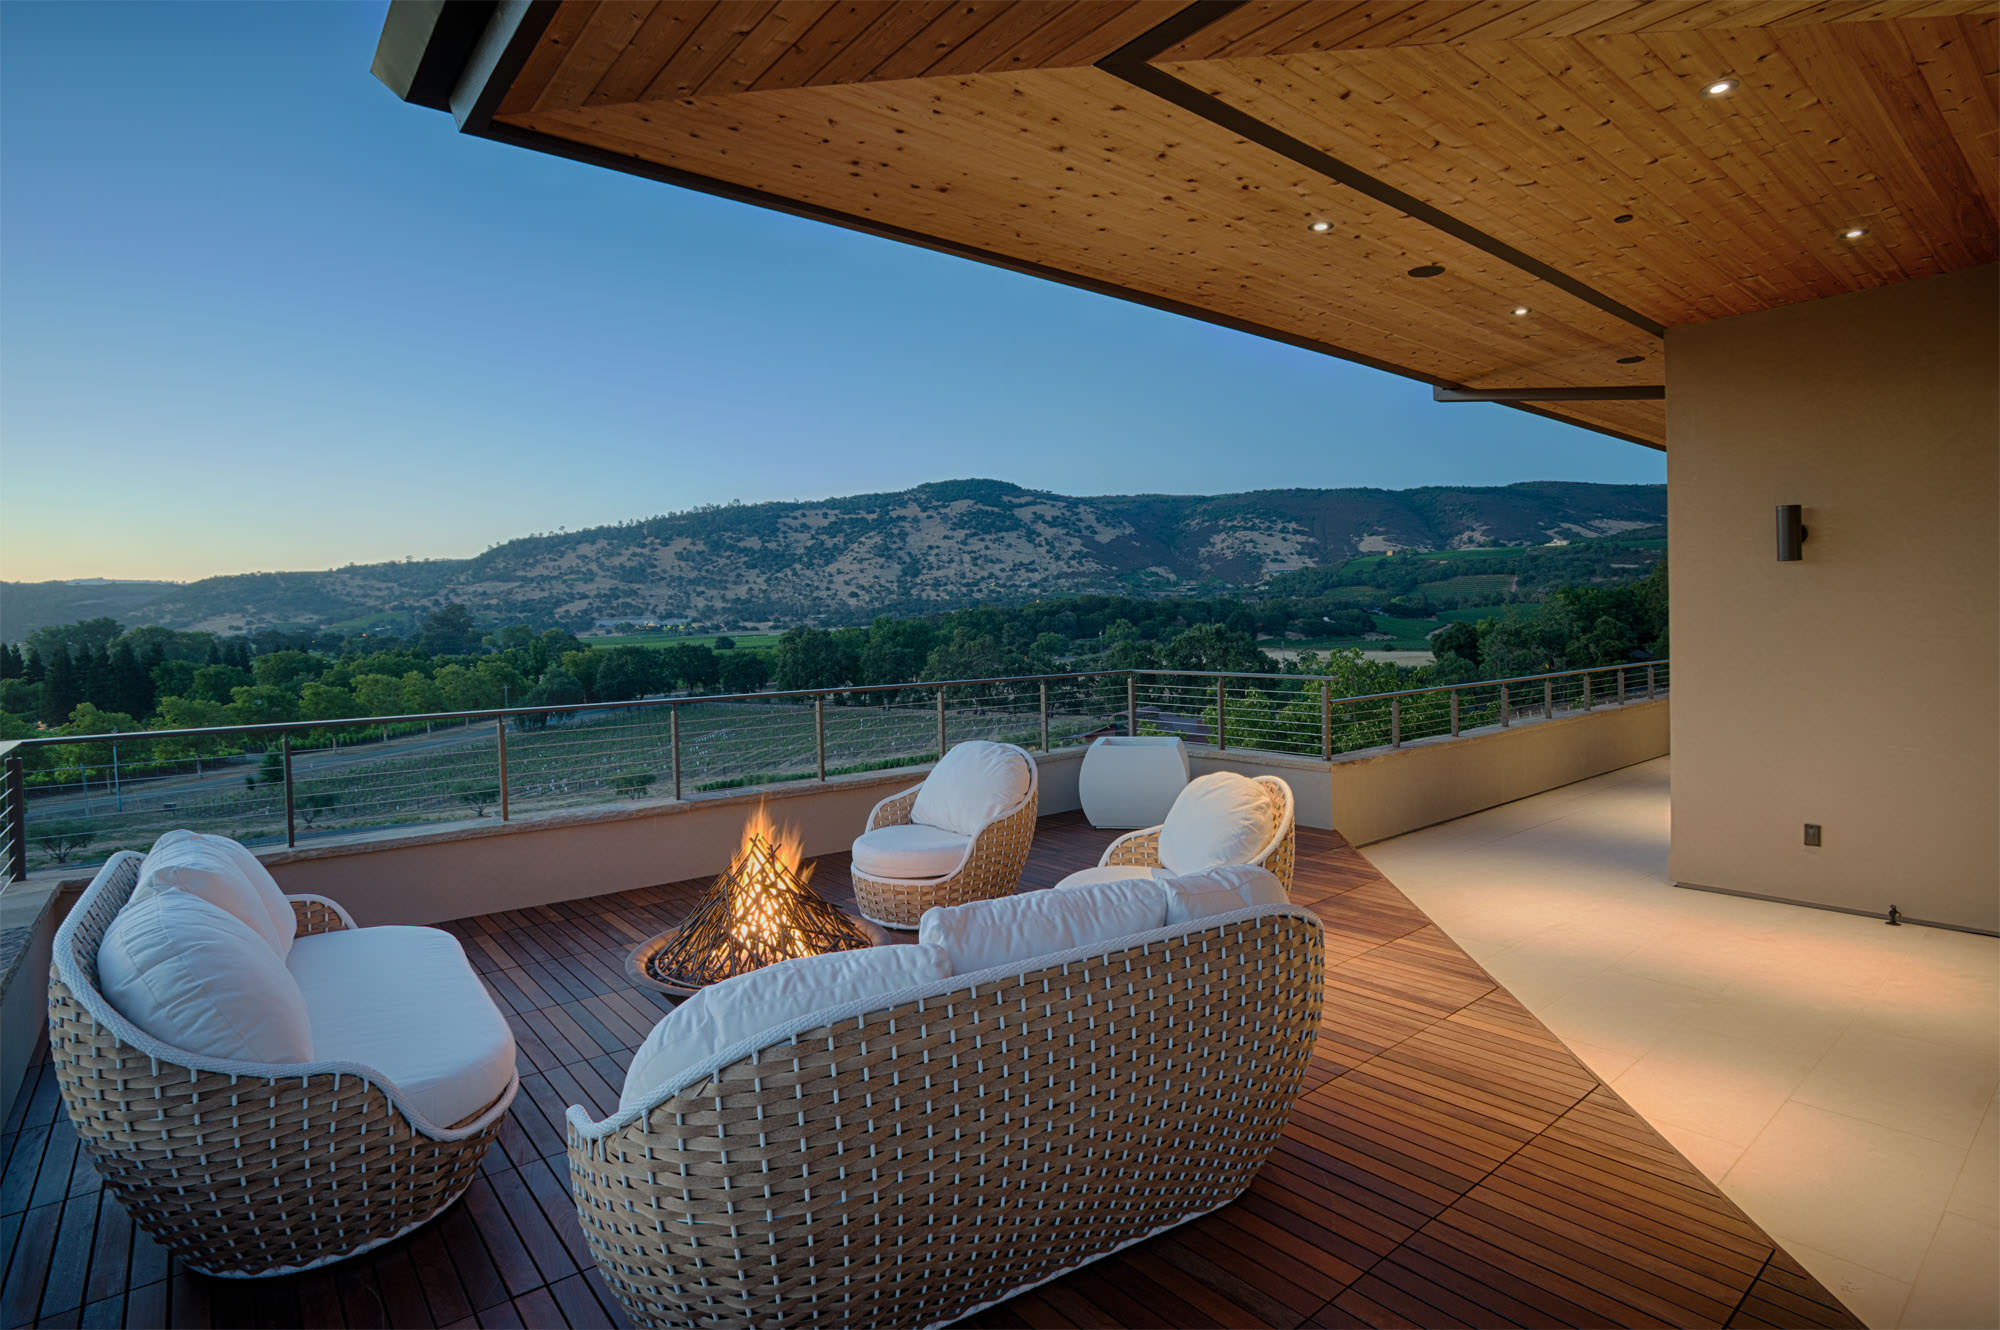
x=247, y=1168
x=981, y=861
x=906, y=1159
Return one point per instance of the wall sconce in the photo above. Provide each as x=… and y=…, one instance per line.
x=1791, y=533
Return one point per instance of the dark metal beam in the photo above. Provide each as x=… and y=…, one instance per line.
x=1654, y=392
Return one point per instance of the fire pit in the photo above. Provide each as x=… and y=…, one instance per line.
x=760, y=911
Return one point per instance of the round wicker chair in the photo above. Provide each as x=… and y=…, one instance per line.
x=909, y=1165
x=1141, y=849
x=242, y=1168
x=991, y=867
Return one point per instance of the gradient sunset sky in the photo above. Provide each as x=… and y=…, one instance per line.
x=257, y=314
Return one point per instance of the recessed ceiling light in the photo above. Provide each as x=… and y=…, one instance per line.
x=1321, y=227
x=1630, y=360
x=1427, y=270
x=1854, y=233
x=1622, y=218
x=1719, y=88
x=1522, y=311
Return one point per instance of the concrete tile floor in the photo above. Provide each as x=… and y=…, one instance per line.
x=1838, y=1078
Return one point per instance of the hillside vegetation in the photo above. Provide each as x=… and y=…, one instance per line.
x=846, y=560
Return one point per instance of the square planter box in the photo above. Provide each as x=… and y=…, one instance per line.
x=1132, y=782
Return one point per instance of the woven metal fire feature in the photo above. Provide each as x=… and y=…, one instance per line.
x=762, y=910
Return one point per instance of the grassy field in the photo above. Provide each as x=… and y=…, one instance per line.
x=766, y=640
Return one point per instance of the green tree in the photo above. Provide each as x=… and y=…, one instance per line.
x=261, y=703
x=318, y=701
x=449, y=631
x=810, y=658
x=1456, y=639
x=61, y=689
x=1213, y=647
x=286, y=669
x=478, y=795
x=965, y=655
x=216, y=683
x=745, y=671
x=692, y=665
x=379, y=694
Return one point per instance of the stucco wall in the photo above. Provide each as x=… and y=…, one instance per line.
x=1369, y=797
x=1856, y=687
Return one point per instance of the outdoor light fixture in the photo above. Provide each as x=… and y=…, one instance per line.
x=1427, y=270
x=1791, y=533
x=1854, y=233
x=1522, y=311
x=1321, y=227
x=1719, y=88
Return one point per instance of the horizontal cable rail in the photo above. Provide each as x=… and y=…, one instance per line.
x=73, y=799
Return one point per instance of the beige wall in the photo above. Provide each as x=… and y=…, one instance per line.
x=1390, y=791
x=1855, y=688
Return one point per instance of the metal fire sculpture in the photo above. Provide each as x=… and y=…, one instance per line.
x=760, y=911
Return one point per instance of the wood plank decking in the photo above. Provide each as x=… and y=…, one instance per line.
x=1449, y=1164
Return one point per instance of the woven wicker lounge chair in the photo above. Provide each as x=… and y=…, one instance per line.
x=242, y=1168
x=964, y=1141
x=1141, y=849
x=988, y=865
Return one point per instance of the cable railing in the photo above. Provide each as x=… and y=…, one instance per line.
x=69, y=799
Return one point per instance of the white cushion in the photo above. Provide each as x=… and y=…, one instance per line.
x=1221, y=818
x=406, y=1002
x=727, y=1013
x=973, y=785
x=224, y=874
x=1086, y=877
x=909, y=850
x=1220, y=890
x=193, y=975
x=1010, y=929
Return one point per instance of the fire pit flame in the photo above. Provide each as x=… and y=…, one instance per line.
x=760, y=911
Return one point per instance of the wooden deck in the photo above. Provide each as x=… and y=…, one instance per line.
x=1449, y=1164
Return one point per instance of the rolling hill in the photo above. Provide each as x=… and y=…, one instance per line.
x=838, y=560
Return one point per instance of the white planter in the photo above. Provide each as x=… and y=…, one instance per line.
x=1132, y=782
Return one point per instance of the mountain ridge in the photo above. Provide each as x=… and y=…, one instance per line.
x=934, y=546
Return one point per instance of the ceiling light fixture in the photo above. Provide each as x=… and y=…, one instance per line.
x=1321, y=227
x=1854, y=233
x=1427, y=270
x=1630, y=360
x=1719, y=88
x=1522, y=311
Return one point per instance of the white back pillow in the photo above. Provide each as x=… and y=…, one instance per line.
x=1219, y=890
x=193, y=975
x=974, y=784
x=223, y=873
x=1221, y=818
x=1011, y=929
x=729, y=1012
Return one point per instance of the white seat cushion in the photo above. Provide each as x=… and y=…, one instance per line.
x=193, y=975
x=1085, y=877
x=1221, y=818
x=1220, y=890
x=910, y=850
x=725, y=1014
x=973, y=785
x=224, y=874
x=406, y=1002
x=1012, y=929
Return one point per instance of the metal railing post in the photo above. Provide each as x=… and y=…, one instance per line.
x=674, y=742
x=17, y=822
x=500, y=744
x=1586, y=690
x=1132, y=706
x=941, y=748
x=1326, y=722
x=1454, y=713
x=1221, y=715
x=1621, y=685
x=819, y=731
x=1045, y=715
x=1395, y=722
x=1548, y=699
x=1649, y=682
x=291, y=831
x=1505, y=718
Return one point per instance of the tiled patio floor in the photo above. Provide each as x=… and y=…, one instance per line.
x=1835, y=1076
x=1450, y=1163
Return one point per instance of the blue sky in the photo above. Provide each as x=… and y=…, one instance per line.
x=255, y=313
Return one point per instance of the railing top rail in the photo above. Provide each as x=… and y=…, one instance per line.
x=280, y=727
x=556, y=709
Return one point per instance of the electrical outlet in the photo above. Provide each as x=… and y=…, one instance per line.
x=1812, y=833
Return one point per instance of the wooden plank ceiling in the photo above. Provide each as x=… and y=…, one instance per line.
x=1559, y=157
